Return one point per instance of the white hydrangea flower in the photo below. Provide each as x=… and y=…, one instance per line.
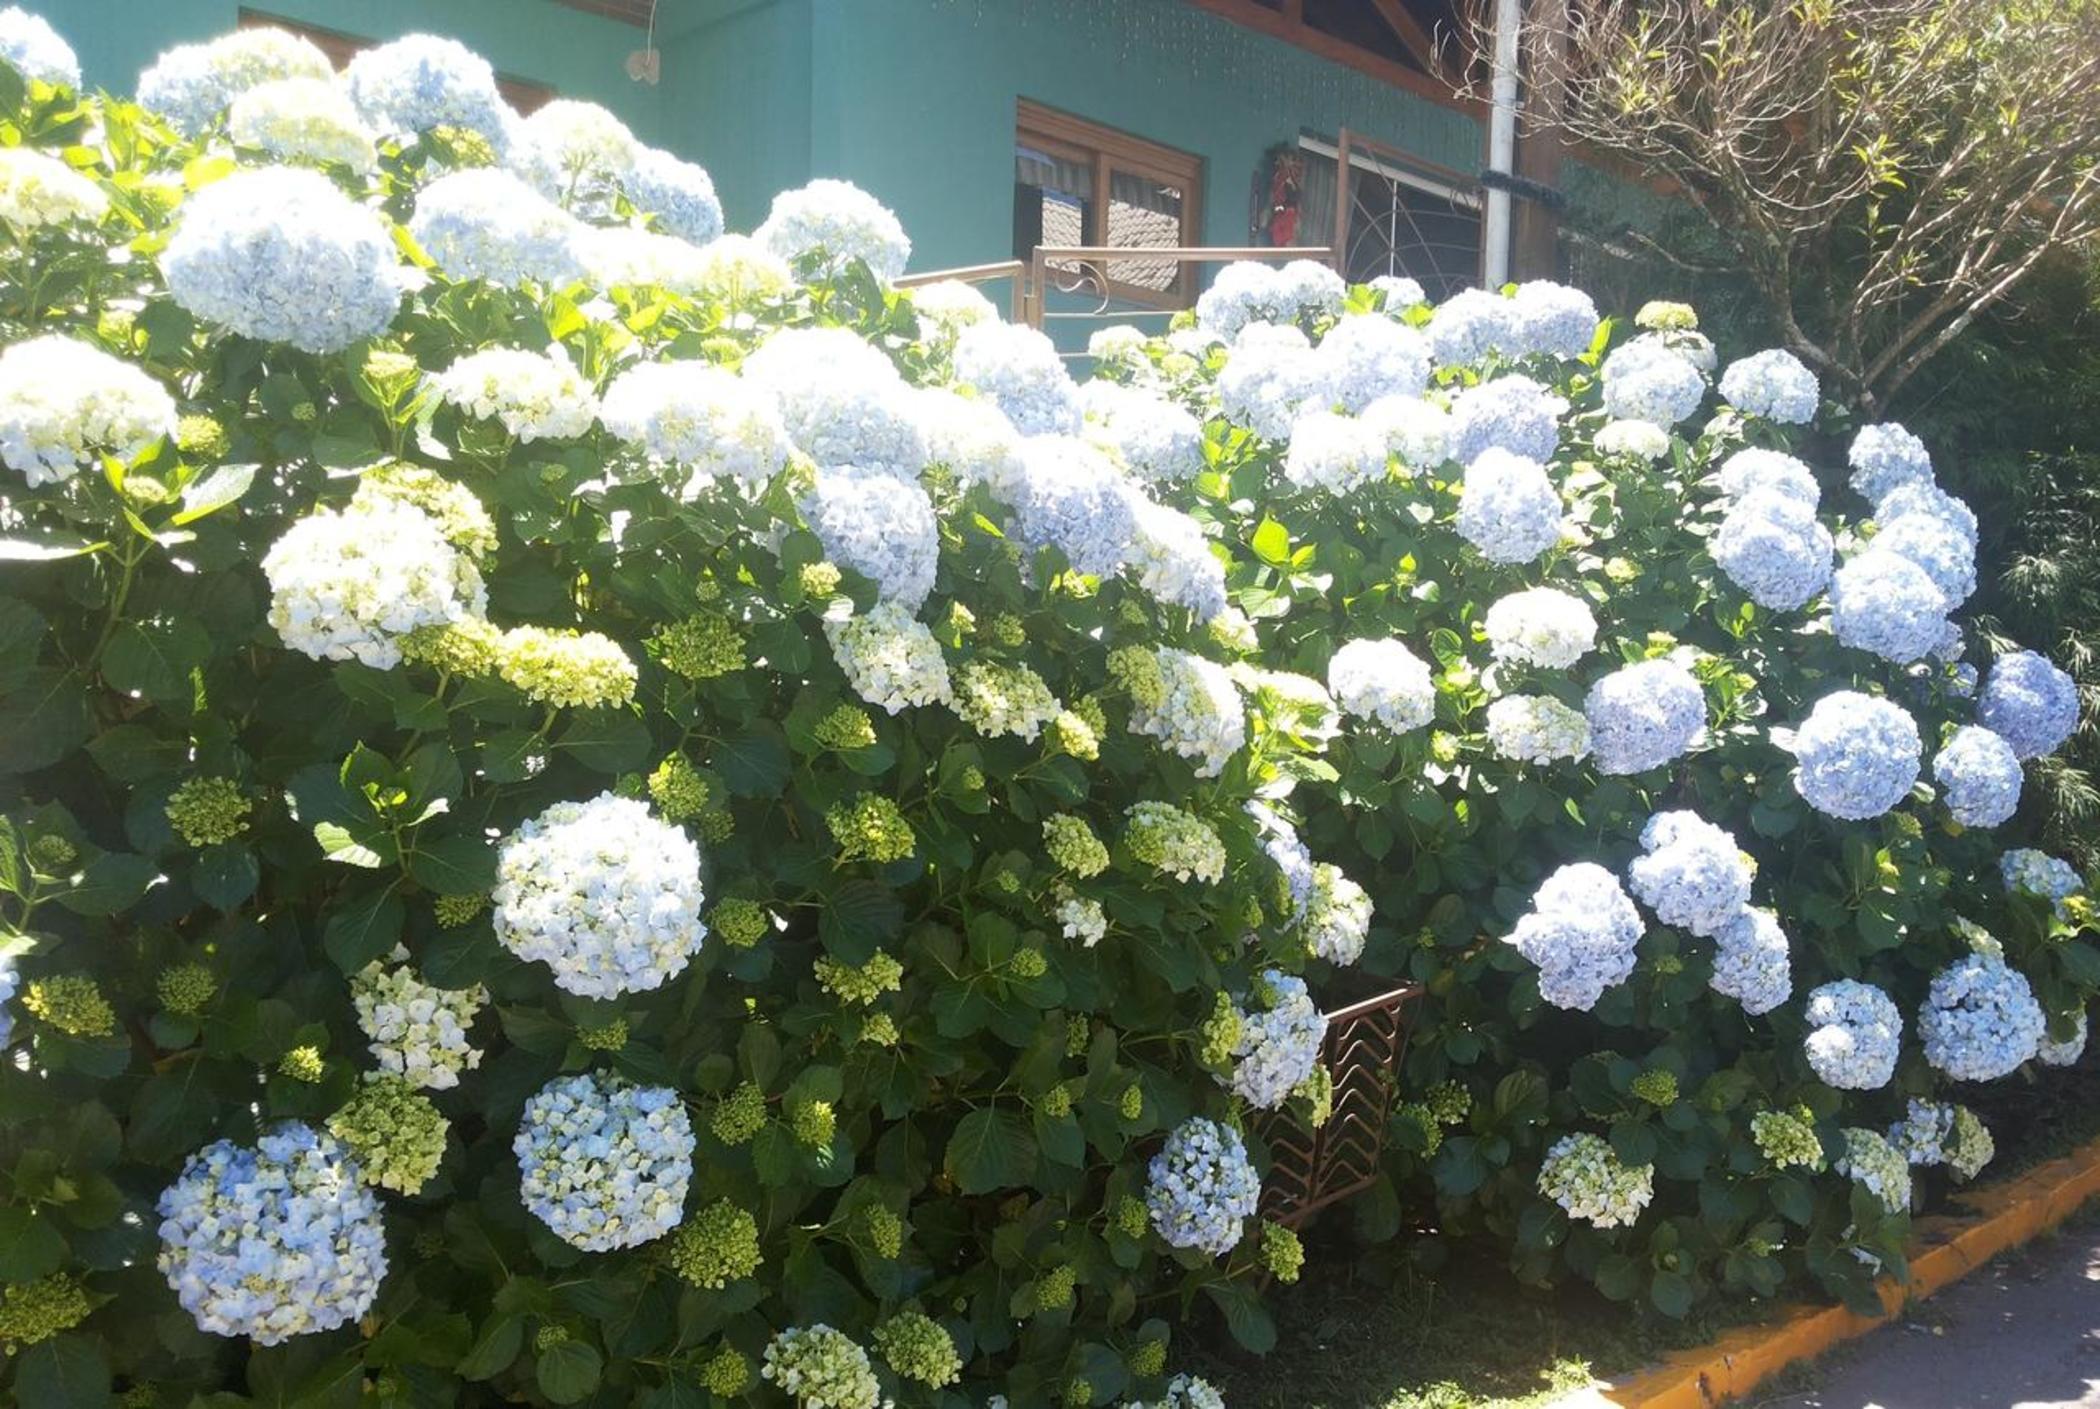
x=1242, y=292
x=1693, y=874
x=1752, y=962
x=280, y=254
x=1772, y=384
x=1200, y=1188
x=302, y=119
x=604, y=1163
x=1270, y=377
x=38, y=191
x=1337, y=919
x=973, y=438
x=1644, y=715
x=1155, y=440
x=738, y=270
x=1334, y=452
x=1590, y=1182
x=833, y=223
x=1081, y=918
x=1541, y=626
x=64, y=404
x=1199, y=716
x=1383, y=680
x=1018, y=370
x=696, y=423
x=1771, y=546
x=1884, y=458
x=1876, y=1166
x=889, y=657
x=677, y=195
x=1856, y=756
x=1854, y=1035
x=1748, y=471
x=1069, y=496
x=1415, y=430
x=1645, y=381
x=536, y=395
x=1366, y=356
x=1553, y=319
x=627, y=257
x=1280, y=1035
x=842, y=401
x=1512, y=414
x=487, y=224
x=413, y=85
x=1980, y=1020
x=349, y=585
x=1582, y=932
x=2051, y=1053
x=1399, y=292
x=1536, y=729
x=191, y=84
x=417, y=1030
x=998, y=700
x=1119, y=345
x=603, y=892
x=947, y=306
x=29, y=43
x=882, y=527
x=820, y=1368
x=1508, y=507
x=575, y=153
x=1173, y=561
x=1183, y=1391
x=1633, y=440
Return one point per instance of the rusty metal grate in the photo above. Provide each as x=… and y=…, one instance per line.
x=1311, y=1169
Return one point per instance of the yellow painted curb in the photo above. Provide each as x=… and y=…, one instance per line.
x=1944, y=1249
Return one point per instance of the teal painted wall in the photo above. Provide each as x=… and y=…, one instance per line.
x=737, y=99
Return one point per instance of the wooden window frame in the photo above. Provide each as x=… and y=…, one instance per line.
x=1108, y=150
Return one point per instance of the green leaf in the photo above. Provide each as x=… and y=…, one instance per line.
x=1618, y=1276
x=30, y=1247
x=1245, y=1316
x=111, y=882
x=352, y=848
x=225, y=875
x=42, y=719
x=1671, y=1293
x=569, y=1371
x=65, y=1372
x=455, y=865
x=754, y=763
x=606, y=740
x=43, y=550
x=989, y=1150
x=494, y=1349
x=362, y=929
x=155, y=658
x=859, y=916
x=1272, y=543
x=222, y=486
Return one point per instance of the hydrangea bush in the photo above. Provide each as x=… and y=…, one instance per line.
x=604, y=811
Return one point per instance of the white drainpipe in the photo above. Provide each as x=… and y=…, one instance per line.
x=1502, y=141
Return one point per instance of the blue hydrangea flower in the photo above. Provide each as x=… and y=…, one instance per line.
x=1398, y=292
x=1980, y=1020
x=413, y=85
x=1582, y=932
x=1747, y=471
x=1923, y=497
x=1019, y=371
x=834, y=222
x=487, y=224
x=1279, y=842
x=1979, y=774
x=1856, y=756
x=1416, y=430
x=1071, y=496
x=1515, y=414
x=1172, y=558
x=842, y=401
x=274, y=1241
x=2029, y=703
x=1751, y=962
x=1855, y=1034
x=1643, y=715
x=1200, y=1188
x=284, y=256
x=1242, y=292
x=1269, y=378
x=1693, y=874
x=1772, y=384
x=1645, y=381
x=1508, y=508
x=192, y=84
x=1553, y=319
x=1884, y=603
x=2026, y=871
x=1938, y=546
x=1334, y=452
x=1773, y=548
x=880, y=526
x=605, y=1163
x=1156, y=441
x=1471, y=323
x=1365, y=356
x=1884, y=458
x=34, y=48
x=679, y=194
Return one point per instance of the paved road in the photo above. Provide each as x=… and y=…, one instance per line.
x=2023, y=1333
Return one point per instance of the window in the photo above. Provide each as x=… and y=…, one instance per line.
x=521, y=93
x=1402, y=215
x=1079, y=184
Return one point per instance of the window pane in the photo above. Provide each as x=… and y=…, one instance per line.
x=1053, y=194
x=1144, y=213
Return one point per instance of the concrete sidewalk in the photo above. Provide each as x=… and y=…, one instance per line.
x=2022, y=1333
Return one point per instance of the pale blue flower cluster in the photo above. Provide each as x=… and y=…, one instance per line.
x=1645, y=381
x=1365, y=356
x=696, y=423
x=1334, y=452
x=1070, y=496
x=1156, y=440
x=2026, y=871
x=878, y=525
x=282, y=255
x=1280, y=1035
x=834, y=223
x=1472, y=323
x=1632, y=440
x=1540, y=626
x=1269, y=378
x=576, y=154
x=2049, y=1052
x=1772, y=384
x=1747, y=471
x=1751, y=961
x=1306, y=289
x=1581, y=931
x=191, y=85
x=678, y=194
x=1337, y=921
x=65, y=403
x=11, y=984
x=1884, y=603
x=1921, y=1135
x=1507, y=507
x=1980, y=1020
x=843, y=402
x=1201, y=1188
x=1924, y=497
x=1884, y=458
x=1286, y=852
x=1241, y=293
x=487, y=224
x=1586, y=1177
x=1854, y=1035
x=413, y=85
x=29, y=43
x=1938, y=546
x=1383, y=681
x=1398, y=293
x=1418, y=432
x=1979, y=775
x=1856, y=756
x=272, y=1241
x=603, y=1162
x=1199, y=714
x=1644, y=715
x=1019, y=371
x=1876, y=1166
x=1515, y=414
x=2029, y=703
x=1692, y=874
x=1536, y=729
x=1172, y=558
x=1553, y=319
x=1771, y=545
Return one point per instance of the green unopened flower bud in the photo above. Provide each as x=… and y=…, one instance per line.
x=819, y=581
x=716, y=825
x=716, y=1246
x=612, y=1037
x=1137, y=671
x=141, y=1396
x=1130, y=1218
x=919, y=1348
x=1317, y=1091
x=566, y=669
x=1071, y=733
x=859, y=984
x=813, y=1122
x=303, y=1064
x=740, y=1115
x=1079, y=1035
x=1788, y=1138
x=741, y=923
x=52, y=855
x=1078, y=1394
x=1147, y=1358
x=1282, y=1254
x=396, y=1132
x=549, y=1337
x=701, y=647
x=1008, y=630
x=1073, y=846
x=727, y=1373
x=470, y=649
x=184, y=989
x=206, y=811
x=883, y=1229
x=1449, y=1102
x=973, y=779
x=36, y=1311
x=1132, y=1104
x=456, y=910
x=1056, y=1102
x=72, y=1003
x=428, y=1242
x=870, y=828
x=678, y=790
x=879, y=1029
x=1030, y=964
x=1668, y=964
x=202, y=438
x=1657, y=1087
x=1660, y=316
x=1054, y=1289
x=846, y=728
x=1220, y=1033
x=386, y=364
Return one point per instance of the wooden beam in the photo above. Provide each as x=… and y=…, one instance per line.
x=1535, y=242
x=1262, y=20
x=1413, y=38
